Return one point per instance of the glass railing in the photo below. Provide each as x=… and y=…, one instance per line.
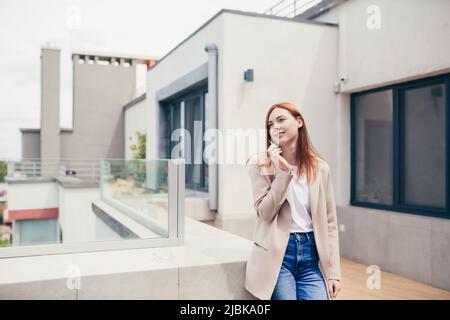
x=133, y=204
x=77, y=169
x=140, y=190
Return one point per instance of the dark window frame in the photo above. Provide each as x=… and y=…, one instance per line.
x=398, y=148
x=172, y=103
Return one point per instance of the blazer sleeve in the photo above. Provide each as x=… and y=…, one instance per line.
x=268, y=197
x=333, y=233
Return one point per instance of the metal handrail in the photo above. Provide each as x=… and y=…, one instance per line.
x=295, y=6
x=270, y=10
x=80, y=168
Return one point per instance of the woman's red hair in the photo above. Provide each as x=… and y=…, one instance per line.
x=306, y=155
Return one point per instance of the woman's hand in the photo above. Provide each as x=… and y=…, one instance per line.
x=334, y=286
x=274, y=154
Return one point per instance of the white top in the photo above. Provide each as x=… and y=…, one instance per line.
x=301, y=212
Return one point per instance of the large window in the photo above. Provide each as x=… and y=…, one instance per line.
x=35, y=231
x=187, y=111
x=399, y=147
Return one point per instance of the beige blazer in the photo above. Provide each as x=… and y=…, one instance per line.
x=273, y=206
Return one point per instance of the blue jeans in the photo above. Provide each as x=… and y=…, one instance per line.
x=300, y=277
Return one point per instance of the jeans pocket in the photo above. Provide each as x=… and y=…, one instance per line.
x=311, y=252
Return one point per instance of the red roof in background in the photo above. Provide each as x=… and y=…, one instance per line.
x=150, y=63
x=33, y=214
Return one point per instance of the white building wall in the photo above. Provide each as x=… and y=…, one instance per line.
x=295, y=62
x=292, y=61
x=24, y=196
x=331, y=16
x=76, y=218
x=136, y=119
x=412, y=42
x=189, y=55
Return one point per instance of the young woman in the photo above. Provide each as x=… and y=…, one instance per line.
x=296, y=250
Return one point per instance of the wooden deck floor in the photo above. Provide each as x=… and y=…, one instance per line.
x=354, y=278
x=392, y=286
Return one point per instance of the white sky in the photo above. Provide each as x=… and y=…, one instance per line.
x=134, y=27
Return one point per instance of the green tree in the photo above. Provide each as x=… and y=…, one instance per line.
x=3, y=170
x=140, y=147
x=137, y=168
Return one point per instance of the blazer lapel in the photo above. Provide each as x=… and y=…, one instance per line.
x=314, y=188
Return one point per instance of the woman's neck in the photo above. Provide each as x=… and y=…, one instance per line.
x=289, y=152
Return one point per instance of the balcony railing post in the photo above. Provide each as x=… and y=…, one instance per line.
x=181, y=198
x=102, y=173
x=176, y=186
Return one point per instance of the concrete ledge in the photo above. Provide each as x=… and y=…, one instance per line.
x=74, y=182
x=66, y=182
x=114, y=219
x=198, y=209
x=211, y=265
x=25, y=180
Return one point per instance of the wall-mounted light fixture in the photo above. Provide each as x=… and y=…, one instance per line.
x=248, y=75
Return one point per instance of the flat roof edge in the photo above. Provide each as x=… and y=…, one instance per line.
x=38, y=130
x=111, y=55
x=319, y=9
x=134, y=101
x=266, y=16
x=30, y=129
x=243, y=13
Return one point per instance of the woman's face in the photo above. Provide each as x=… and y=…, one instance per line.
x=283, y=127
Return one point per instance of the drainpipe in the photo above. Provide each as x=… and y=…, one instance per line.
x=212, y=122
